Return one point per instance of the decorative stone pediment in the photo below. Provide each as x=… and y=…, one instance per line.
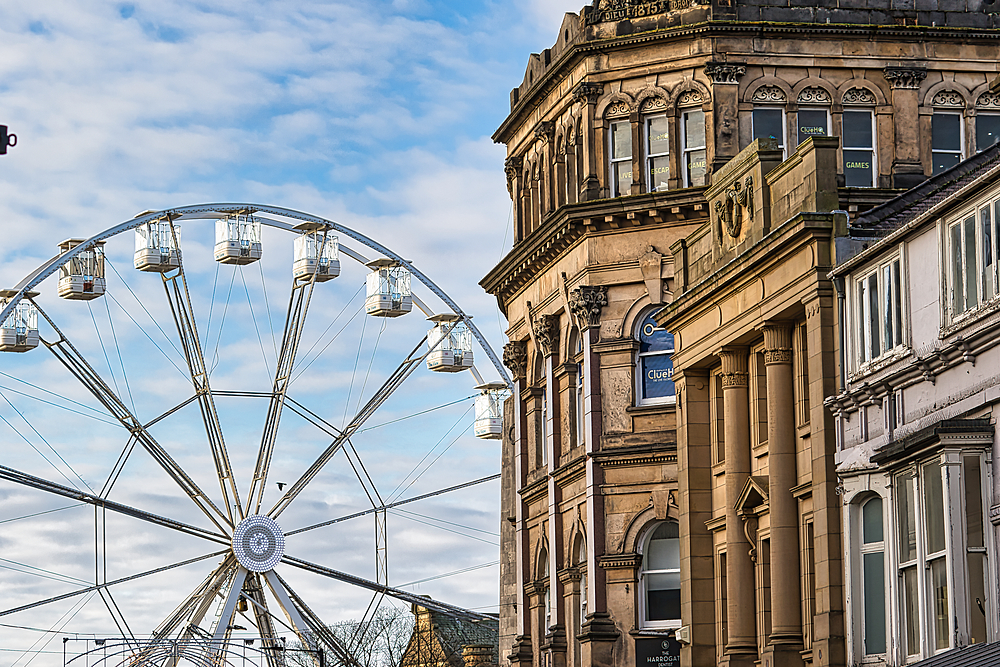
x=754, y=495
x=605, y=11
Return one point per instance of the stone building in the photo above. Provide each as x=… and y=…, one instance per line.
x=438, y=640
x=615, y=141
x=916, y=418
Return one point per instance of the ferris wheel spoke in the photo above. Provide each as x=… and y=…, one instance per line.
x=198, y=602
x=304, y=618
x=18, y=477
x=404, y=596
x=78, y=366
x=107, y=584
x=179, y=298
x=295, y=319
x=254, y=592
x=403, y=371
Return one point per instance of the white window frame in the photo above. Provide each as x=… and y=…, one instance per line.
x=892, y=312
x=987, y=282
x=577, y=391
x=650, y=156
x=783, y=139
x=861, y=622
x=639, y=356
x=961, y=137
x=873, y=148
x=686, y=149
x=978, y=115
x=672, y=623
x=798, y=121
x=614, y=162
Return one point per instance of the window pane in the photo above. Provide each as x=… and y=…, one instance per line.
x=657, y=371
x=874, y=587
x=897, y=304
x=659, y=172
x=911, y=611
x=862, y=303
x=945, y=161
x=663, y=597
x=973, y=501
x=654, y=339
x=812, y=123
x=939, y=598
x=977, y=597
x=694, y=129
x=696, y=162
x=888, y=316
x=621, y=140
x=987, y=130
x=767, y=123
x=623, y=178
x=986, y=225
x=663, y=552
x=871, y=521
x=873, y=315
x=957, y=276
x=933, y=507
x=971, y=270
x=906, y=519
x=656, y=131
x=946, y=132
x=858, y=130
x=858, y=169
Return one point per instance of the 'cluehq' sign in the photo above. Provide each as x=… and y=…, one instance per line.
x=659, y=652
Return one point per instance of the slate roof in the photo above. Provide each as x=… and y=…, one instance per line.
x=890, y=216
x=976, y=655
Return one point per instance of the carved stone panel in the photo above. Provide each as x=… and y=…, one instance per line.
x=814, y=95
x=948, y=98
x=859, y=96
x=988, y=101
x=769, y=95
x=586, y=303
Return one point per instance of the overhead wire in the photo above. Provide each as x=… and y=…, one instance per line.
x=416, y=414
x=267, y=306
x=118, y=348
x=434, y=525
x=30, y=444
x=61, y=407
x=146, y=333
x=145, y=310
x=50, y=393
x=46, y=574
x=481, y=566
x=34, y=514
x=330, y=326
x=354, y=373
x=100, y=340
x=399, y=490
x=211, y=305
x=451, y=523
x=371, y=360
x=253, y=318
x=31, y=650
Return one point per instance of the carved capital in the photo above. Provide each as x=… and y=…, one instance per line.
x=588, y=92
x=545, y=130
x=725, y=72
x=515, y=357
x=586, y=303
x=777, y=342
x=512, y=167
x=735, y=367
x=905, y=77
x=735, y=380
x=546, y=330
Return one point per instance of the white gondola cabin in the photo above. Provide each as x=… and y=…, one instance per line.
x=388, y=289
x=19, y=332
x=317, y=251
x=82, y=278
x=155, y=247
x=450, y=344
x=489, y=410
x=237, y=239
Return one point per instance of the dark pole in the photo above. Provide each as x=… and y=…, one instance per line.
x=6, y=140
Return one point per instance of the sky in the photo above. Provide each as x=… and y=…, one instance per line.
x=375, y=115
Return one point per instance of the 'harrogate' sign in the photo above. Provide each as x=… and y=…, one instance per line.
x=619, y=10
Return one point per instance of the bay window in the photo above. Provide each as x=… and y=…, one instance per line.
x=859, y=148
x=972, y=246
x=695, y=148
x=879, y=311
x=657, y=153
x=946, y=140
x=620, y=150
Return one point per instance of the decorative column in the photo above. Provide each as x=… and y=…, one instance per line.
x=907, y=169
x=513, y=167
x=785, y=641
x=598, y=633
x=589, y=93
x=546, y=330
x=515, y=357
x=725, y=110
x=545, y=132
x=741, y=650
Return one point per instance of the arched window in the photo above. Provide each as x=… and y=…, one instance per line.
x=581, y=562
x=576, y=350
x=873, y=589
x=546, y=591
x=660, y=577
x=654, y=364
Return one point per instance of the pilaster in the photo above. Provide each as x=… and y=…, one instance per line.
x=589, y=93
x=907, y=169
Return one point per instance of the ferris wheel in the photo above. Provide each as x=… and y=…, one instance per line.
x=206, y=399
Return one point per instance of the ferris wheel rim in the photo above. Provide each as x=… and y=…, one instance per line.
x=190, y=212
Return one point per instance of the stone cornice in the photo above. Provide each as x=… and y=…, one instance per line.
x=616, y=457
x=570, y=223
x=570, y=471
x=620, y=561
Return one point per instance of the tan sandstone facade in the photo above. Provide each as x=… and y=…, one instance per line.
x=623, y=510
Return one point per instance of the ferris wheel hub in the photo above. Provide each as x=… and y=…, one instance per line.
x=258, y=543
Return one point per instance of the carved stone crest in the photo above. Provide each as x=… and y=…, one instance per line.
x=859, y=96
x=768, y=94
x=729, y=209
x=905, y=77
x=586, y=303
x=948, y=98
x=988, y=101
x=725, y=72
x=515, y=357
x=814, y=95
x=546, y=329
